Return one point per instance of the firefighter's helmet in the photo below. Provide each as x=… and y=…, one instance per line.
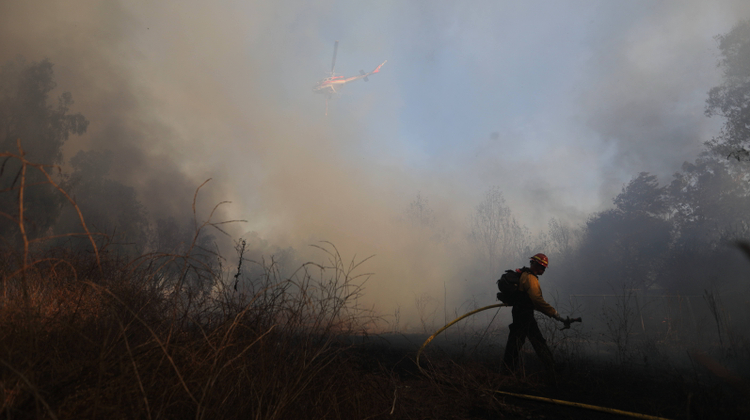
x=541, y=259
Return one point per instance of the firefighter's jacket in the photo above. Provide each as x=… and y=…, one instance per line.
x=529, y=283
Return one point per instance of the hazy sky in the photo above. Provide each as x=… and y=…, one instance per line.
x=557, y=103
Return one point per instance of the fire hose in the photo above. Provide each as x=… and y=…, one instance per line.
x=567, y=323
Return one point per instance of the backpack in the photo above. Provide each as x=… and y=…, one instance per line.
x=508, y=286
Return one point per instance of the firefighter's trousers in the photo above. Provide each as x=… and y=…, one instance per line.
x=524, y=326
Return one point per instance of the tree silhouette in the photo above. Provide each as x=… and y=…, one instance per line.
x=626, y=246
x=731, y=99
x=420, y=214
x=709, y=206
x=42, y=128
x=496, y=233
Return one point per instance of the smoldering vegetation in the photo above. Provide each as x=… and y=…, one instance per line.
x=660, y=280
x=117, y=315
x=110, y=311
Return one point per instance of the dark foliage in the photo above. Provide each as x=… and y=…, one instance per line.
x=27, y=117
x=731, y=99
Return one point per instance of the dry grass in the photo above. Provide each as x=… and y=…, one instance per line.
x=113, y=345
x=88, y=334
x=85, y=333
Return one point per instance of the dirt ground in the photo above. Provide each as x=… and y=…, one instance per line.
x=464, y=389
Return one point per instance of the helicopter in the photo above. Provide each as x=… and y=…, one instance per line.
x=330, y=85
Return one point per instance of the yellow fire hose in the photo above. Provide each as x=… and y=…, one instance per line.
x=580, y=405
x=419, y=353
x=533, y=397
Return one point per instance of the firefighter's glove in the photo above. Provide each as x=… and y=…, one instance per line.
x=567, y=321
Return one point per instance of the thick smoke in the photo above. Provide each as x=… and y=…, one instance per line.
x=178, y=93
x=652, y=72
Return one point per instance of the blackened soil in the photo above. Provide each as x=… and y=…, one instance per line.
x=447, y=389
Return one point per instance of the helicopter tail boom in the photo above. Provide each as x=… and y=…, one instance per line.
x=364, y=75
x=377, y=69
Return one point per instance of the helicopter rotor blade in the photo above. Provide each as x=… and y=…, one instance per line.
x=333, y=62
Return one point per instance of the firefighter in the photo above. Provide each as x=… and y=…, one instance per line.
x=524, y=325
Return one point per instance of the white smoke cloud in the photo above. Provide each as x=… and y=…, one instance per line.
x=582, y=97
